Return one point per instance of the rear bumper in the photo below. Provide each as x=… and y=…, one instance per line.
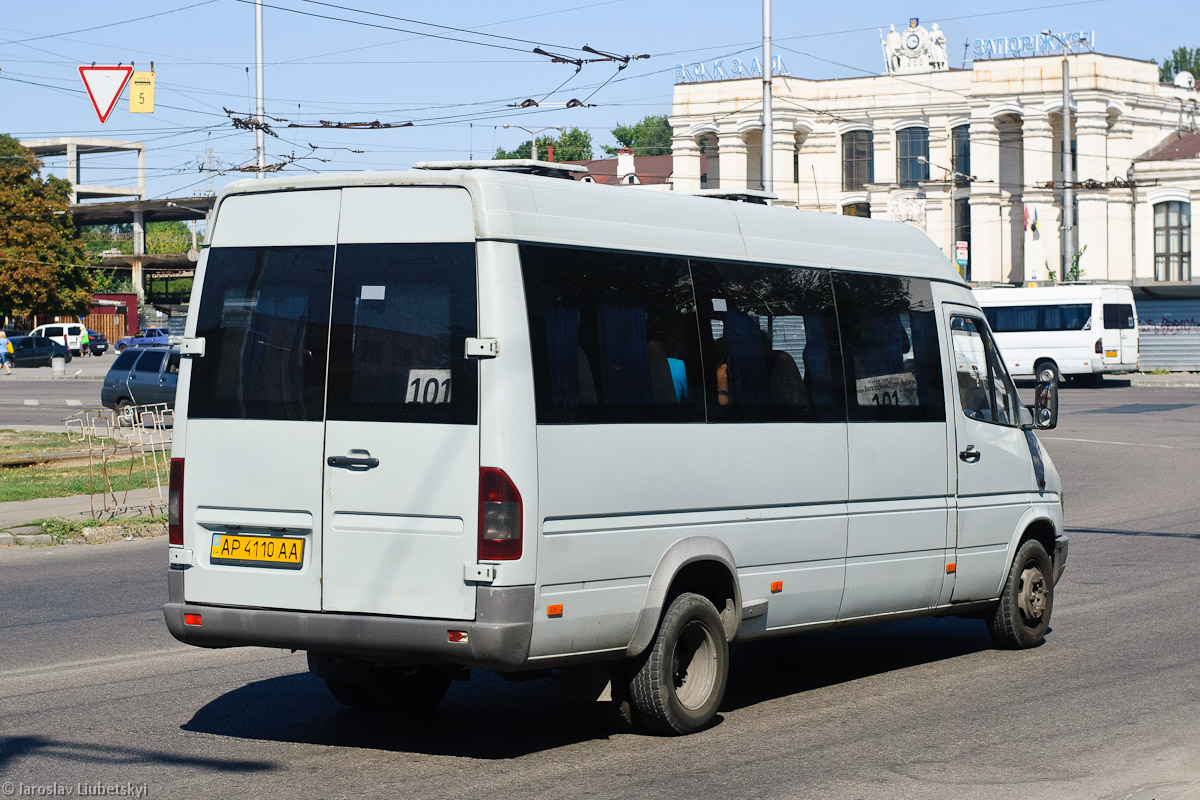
x=498, y=638
x=1061, y=547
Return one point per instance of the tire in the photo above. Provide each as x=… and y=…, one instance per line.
x=349, y=693
x=678, y=685
x=124, y=413
x=1022, y=616
x=120, y=348
x=1047, y=371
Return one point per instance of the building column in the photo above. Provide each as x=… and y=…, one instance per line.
x=1120, y=237
x=1041, y=236
x=987, y=239
x=1092, y=227
x=73, y=171
x=732, y=153
x=783, y=152
x=1091, y=146
x=685, y=164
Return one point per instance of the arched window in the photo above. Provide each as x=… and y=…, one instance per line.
x=858, y=160
x=960, y=152
x=1173, y=241
x=912, y=144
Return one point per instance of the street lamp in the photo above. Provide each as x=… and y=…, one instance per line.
x=954, y=172
x=1068, y=226
x=533, y=136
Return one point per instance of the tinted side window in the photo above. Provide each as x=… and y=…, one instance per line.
x=770, y=343
x=1013, y=319
x=613, y=335
x=401, y=317
x=264, y=315
x=125, y=360
x=984, y=387
x=151, y=361
x=1118, y=316
x=53, y=330
x=890, y=346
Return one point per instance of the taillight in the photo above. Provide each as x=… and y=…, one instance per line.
x=175, y=503
x=499, y=516
x=1099, y=345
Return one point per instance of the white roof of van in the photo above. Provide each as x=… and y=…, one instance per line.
x=1009, y=295
x=530, y=208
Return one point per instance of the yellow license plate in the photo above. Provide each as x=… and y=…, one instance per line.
x=281, y=552
x=1110, y=353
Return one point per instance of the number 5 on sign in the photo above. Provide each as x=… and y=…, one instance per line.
x=141, y=93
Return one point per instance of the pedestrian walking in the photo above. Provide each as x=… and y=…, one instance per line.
x=5, y=349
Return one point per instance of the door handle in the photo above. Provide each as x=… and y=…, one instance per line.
x=353, y=462
x=970, y=455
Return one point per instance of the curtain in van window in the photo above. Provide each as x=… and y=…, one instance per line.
x=624, y=371
x=566, y=364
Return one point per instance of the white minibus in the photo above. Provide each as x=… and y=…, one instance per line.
x=451, y=418
x=1078, y=331
x=68, y=334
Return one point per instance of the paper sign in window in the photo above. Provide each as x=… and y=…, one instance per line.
x=897, y=389
x=372, y=292
x=428, y=386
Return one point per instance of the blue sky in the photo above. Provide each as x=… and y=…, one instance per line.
x=456, y=92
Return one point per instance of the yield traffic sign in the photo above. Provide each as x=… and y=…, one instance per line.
x=104, y=86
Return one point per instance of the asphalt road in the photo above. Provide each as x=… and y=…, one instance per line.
x=93, y=689
x=42, y=400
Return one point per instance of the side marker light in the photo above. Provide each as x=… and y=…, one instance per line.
x=191, y=619
x=555, y=610
x=776, y=586
x=951, y=568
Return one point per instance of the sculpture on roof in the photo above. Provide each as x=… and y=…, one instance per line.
x=916, y=49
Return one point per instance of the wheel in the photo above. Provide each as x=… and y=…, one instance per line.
x=679, y=683
x=124, y=412
x=1047, y=371
x=1023, y=614
x=120, y=348
x=407, y=690
x=349, y=693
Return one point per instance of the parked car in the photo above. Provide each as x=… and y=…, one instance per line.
x=97, y=342
x=141, y=376
x=35, y=351
x=67, y=334
x=144, y=338
x=12, y=332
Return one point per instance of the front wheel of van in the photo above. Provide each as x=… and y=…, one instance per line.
x=680, y=682
x=1022, y=617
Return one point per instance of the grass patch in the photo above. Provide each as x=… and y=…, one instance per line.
x=16, y=443
x=71, y=530
x=1158, y=371
x=47, y=480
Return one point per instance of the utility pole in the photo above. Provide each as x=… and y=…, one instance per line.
x=258, y=74
x=1068, y=226
x=768, y=124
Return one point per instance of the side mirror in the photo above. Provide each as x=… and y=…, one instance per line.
x=1045, y=407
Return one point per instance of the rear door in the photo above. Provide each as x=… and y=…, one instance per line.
x=255, y=407
x=401, y=466
x=1120, y=331
x=145, y=378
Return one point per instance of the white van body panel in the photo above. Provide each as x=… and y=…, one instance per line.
x=1073, y=351
x=819, y=522
x=71, y=337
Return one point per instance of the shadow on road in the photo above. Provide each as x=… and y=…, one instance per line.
x=774, y=668
x=484, y=718
x=490, y=718
x=14, y=748
x=1121, y=532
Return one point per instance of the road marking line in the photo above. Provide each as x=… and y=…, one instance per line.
x=1101, y=441
x=74, y=402
x=32, y=403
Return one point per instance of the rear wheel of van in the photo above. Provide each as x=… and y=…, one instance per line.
x=679, y=684
x=1022, y=617
x=1047, y=372
x=396, y=690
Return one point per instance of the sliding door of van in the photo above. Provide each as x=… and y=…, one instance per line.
x=256, y=402
x=899, y=488
x=401, y=461
x=995, y=458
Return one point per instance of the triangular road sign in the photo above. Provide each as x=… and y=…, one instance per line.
x=104, y=86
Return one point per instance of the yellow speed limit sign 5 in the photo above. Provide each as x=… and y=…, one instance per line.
x=141, y=93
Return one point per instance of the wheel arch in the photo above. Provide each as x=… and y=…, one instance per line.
x=700, y=564
x=1034, y=524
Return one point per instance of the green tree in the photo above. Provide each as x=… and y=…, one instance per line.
x=650, y=137
x=1181, y=58
x=42, y=263
x=571, y=145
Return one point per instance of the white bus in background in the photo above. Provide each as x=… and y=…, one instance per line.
x=454, y=418
x=1078, y=331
